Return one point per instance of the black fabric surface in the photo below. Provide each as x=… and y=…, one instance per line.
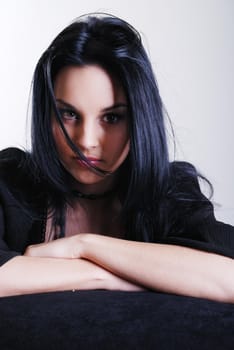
x=114, y=320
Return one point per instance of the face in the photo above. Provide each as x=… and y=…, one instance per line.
x=94, y=110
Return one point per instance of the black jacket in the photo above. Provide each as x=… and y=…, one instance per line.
x=23, y=212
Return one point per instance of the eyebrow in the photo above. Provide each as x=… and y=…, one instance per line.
x=115, y=106
x=107, y=109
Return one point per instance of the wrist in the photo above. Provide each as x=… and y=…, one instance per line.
x=82, y=243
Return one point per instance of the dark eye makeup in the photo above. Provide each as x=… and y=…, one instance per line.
x=110, y=116
x=68, y=114
x=113, y=118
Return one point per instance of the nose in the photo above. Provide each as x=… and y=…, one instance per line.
x=87, y=135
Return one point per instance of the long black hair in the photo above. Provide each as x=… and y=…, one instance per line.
x=116, y=46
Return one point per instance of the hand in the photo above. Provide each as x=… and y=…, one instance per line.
x=117, y=283
x=70, y=248
x=67, y=248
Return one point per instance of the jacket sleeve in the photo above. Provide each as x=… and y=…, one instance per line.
x=194, y=223
x=205, y=233
x=15, y=224
x=5, y=252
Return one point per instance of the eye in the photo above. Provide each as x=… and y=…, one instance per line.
x=112, y=118
x=68, y=114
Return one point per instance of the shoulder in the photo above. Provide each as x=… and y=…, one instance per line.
x=17, y=174
x=180, y=170
x=185, y=196
x=14, y=165
x=11, y=155
x=184, y=178
x=191, y=215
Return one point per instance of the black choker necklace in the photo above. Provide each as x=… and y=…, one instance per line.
x=79, y=194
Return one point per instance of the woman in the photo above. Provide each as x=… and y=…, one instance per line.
x=96, y=204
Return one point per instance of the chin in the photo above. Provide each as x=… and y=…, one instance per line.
x=91, y=179
x=85, y=177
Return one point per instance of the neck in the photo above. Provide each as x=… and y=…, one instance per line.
x=93, y=196
x=103, y=188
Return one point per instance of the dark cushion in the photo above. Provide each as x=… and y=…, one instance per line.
x=114, y=320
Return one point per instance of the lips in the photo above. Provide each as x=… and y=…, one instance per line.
x=94, y=161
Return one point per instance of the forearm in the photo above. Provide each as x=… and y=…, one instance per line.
x=23, y=275
x=27, y=275
x=167, y=268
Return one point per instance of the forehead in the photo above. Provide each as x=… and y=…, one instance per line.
x=88, y=84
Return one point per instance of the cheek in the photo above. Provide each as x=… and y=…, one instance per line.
x=59, y=140
x=119, y=149
x=121, y=142
x=126, y=149
x=56, y=135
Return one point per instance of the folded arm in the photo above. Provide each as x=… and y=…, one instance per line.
x=27, y=275
x=167, y=268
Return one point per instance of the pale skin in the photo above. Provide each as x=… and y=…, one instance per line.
x=93, y=255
